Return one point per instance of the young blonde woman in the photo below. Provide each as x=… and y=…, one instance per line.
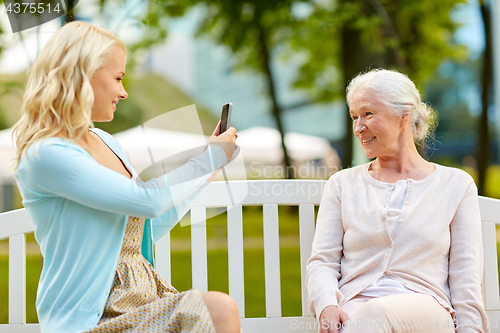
x=95, y=220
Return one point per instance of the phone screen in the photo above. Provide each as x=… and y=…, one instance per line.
x=224, y=118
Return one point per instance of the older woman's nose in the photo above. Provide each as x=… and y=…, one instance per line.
x=359, y=127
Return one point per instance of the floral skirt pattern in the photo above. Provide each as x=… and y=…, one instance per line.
x=142, y=301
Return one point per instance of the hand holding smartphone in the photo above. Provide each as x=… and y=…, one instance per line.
x=225, y=140
x=225, y=123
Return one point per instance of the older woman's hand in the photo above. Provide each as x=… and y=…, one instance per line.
x=331, y=319
x=225, y=140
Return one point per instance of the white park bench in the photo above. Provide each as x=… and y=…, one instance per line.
x=306, y=194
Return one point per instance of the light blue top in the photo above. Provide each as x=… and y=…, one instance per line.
x=80, y=209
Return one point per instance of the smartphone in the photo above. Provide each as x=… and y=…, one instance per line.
x=225, y=118
x=225, y=123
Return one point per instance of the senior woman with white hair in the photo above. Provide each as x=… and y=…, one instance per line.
x=398, y=242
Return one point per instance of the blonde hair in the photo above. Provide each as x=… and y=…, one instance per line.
x=58, y=98
x=400, y=95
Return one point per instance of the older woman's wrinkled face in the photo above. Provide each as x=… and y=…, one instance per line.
x=377, y=128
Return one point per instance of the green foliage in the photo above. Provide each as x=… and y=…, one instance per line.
x=7, y=87
x=237, y=24
x=426, y=29
x=11, y=92
x=3, y=121
x=411, y=36
x=317, y=38
x=154, y=31
x=150, y=95
x=3, y=42
x=153, y=24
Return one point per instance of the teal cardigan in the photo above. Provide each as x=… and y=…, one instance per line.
x=80, y=211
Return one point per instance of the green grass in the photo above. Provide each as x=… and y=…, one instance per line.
x=181, y=279
x=254, y=278
x=33, y=269
x=217, y=266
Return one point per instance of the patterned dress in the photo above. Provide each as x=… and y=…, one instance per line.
x=142, y=301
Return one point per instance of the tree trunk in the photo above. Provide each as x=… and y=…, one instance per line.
x=357, y=58
x=353, y=61
x=483, y=130
x=394, y=53
x=276, y=109
x=69, y=14
x=350, y=48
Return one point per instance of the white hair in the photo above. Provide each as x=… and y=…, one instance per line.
x=396, y=91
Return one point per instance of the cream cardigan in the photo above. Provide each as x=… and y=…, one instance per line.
x=437, y=248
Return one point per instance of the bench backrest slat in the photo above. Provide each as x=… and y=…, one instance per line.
x=490, y=278
x=306, y=234
x=199, y=248
x=490, y=217
x=15, y=222
x=163, y=264
x=17, y=279
x=235, y=256
x=272, y=261
x=490, y=209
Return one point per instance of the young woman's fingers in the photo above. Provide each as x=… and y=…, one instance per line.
x=217, y=129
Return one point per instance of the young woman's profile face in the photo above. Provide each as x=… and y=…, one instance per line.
x=108, y=87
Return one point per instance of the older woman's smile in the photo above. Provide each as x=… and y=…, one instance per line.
x=367, y=140
x=372, y=120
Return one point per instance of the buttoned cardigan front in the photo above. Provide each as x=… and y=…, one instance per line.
x=436, y=249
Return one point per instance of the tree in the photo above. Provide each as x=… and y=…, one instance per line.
x=339, y=38
x=351, y=36
x=253, y=30
x=486, y=82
